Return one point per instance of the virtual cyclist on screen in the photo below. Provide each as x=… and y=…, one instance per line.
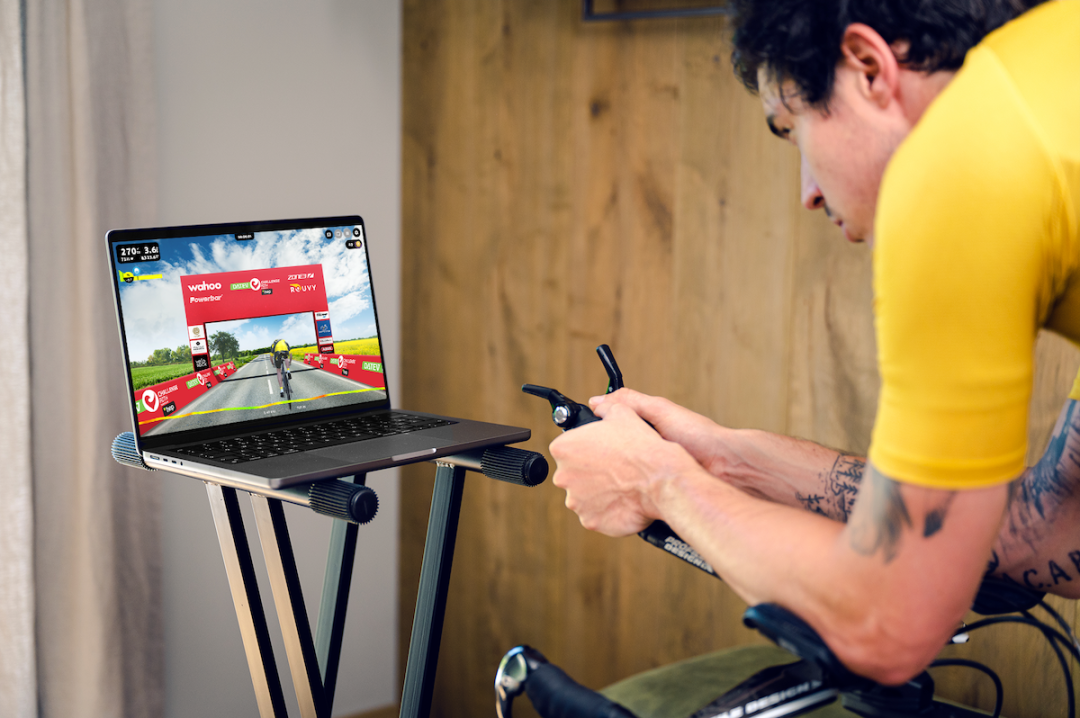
x=282, y=362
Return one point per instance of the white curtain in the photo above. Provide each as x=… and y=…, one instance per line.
x=18, y=682
x=80, y=595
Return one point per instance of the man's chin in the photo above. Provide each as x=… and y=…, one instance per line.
x=856, y=237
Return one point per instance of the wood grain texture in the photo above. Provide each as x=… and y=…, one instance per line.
x=570, y=184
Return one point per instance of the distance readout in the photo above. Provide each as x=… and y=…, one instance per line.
x=144, y=252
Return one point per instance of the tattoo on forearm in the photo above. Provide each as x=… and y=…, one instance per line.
x=840, y=486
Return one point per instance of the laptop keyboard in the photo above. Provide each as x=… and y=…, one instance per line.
x=313, y=436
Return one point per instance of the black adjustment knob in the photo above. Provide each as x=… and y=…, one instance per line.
x=125, y=452
x=343, y=500
x=516, y=466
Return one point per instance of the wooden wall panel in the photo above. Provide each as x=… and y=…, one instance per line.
x=567, y=185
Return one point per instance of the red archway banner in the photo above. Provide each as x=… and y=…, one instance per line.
x=227, y=296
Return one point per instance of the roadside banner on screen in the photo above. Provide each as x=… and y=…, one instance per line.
x=366, y=369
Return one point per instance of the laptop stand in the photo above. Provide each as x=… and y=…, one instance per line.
x=314, y=660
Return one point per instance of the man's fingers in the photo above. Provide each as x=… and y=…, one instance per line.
x=634, y=399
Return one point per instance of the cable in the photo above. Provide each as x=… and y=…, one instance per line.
x=1049, y=631
x=1068, y=643
x=1061, y=622
x=998, y=688
x=1051, y=634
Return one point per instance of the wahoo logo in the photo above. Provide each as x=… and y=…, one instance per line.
x=204, y=287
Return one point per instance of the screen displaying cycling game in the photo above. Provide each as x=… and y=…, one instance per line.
x=230, y=328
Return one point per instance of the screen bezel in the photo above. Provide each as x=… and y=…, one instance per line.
x=179, y=438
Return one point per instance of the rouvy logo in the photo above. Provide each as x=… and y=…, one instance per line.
x=204, y=287
x=302, y=287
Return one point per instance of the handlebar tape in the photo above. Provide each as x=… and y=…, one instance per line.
x=556, y=695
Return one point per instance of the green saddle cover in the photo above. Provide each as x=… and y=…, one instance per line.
x=680, y=689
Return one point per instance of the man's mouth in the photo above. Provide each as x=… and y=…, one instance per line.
x=839, y=223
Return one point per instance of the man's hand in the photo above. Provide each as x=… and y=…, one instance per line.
x=702, y=437
x=770, y=466
x=612, y=469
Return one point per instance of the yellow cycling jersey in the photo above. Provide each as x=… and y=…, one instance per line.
x=976, y=249
x=280, y=346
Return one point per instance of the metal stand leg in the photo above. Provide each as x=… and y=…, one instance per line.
x=246, y=599
x=289, y=601
x=335, y=600
x=314, y=663
x=431, y=599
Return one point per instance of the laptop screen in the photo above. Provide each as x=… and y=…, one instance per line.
x=243, y=325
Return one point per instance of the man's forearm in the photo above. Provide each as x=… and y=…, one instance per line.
x=794, y=472
x=1035, y=546
x=884, y=590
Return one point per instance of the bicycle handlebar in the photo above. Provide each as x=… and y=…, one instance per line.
x=552, y=692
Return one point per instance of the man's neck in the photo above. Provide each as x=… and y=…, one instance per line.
x=919, y=89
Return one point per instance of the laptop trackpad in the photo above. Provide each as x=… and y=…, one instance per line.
x=395, y=446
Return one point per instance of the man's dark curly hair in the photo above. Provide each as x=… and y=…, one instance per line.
x=799, y=40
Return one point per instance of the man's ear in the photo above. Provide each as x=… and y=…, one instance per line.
x=867, y=53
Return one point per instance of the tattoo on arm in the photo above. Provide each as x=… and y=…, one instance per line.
x=839, y=487
x=1032, y=577
x=935, y=517
x=882, y=526
x=1031, y=548
x=1047, y=484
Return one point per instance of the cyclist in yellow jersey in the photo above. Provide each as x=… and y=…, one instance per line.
x=282, y=356
x=947, y=136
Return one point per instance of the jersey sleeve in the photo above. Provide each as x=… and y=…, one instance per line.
x=967, y=263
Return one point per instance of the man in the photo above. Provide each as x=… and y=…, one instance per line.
x=967, y=184
x=282, y=357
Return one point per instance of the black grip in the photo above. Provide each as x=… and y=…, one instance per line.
x=791, y=633
x=125, y=451
x=556, y=695
x=515, y=466
x=344, y=500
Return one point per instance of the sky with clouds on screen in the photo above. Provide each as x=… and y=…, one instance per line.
x=154, y=308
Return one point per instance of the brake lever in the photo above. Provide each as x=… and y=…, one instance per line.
x=565, y=412
x=569, y=414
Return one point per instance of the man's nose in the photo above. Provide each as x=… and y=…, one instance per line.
x=811, y=193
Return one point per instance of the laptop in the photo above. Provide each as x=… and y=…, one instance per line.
x=253, y=356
